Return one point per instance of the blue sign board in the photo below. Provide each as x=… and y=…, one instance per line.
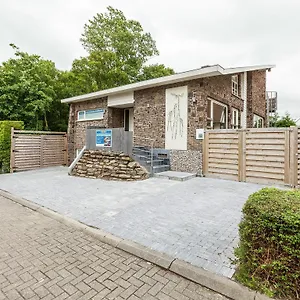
x=104, y=138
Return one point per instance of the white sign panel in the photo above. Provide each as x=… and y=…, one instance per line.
x=176, y=118
x=199, y=134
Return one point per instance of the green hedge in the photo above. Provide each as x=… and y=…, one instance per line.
x=5, y=129
x=268, y=255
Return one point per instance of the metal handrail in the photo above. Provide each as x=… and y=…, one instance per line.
x=76, y=160
x=152, y=141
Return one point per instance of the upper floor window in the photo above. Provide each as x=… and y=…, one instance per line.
x=235, y=119
x=236, y=85
x=91, y=114
x=258, y=122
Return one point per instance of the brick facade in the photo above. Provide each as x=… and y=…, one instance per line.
x=77, y=129
x=149, y=110
x=256, y=96
x=113, y=118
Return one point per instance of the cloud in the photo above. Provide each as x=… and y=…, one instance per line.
x=189, y=34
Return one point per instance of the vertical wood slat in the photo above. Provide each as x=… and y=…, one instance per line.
x=42, y=151
x=293, y=166
x=205, y=153
x=242, y=155
x=12, y=150
x=287, y=157
x=66, y=149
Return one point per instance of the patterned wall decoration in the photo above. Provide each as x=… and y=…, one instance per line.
x=176, y=118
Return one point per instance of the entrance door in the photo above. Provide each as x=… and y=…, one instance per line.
x=128, y=119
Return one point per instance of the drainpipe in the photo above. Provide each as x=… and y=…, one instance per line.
x=244, y=97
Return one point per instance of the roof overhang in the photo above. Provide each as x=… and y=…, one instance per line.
x=180, y=77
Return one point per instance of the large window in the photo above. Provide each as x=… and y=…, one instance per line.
x=92, y=114
x=235, y=118
x=258, y=122
x=216, y=115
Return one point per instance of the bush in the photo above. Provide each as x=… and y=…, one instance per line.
x=268, y=255
x=5, y=129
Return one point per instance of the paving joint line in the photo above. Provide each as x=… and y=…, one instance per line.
x=214, y=282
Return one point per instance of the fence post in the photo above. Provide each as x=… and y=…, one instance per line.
x=66, y=149
x=293, y=157
x=42, y=152
x=12, y=150
x=288, y=142
x=242, y=156
x=205, y=153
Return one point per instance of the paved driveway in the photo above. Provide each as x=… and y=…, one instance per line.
x=196, y=220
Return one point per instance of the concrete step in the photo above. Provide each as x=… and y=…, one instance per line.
x=160, y=168
x=140, y=150
x=156, y=162
x=140, y=157
x=178, y=176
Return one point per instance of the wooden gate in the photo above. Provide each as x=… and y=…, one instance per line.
x=37, y=149
x=257, y=155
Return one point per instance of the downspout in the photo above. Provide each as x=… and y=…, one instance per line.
x=244, y=97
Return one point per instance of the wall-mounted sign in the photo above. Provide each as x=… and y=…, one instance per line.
x=104, y=138
x=199, y=134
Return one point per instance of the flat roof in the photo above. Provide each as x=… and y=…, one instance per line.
x=206, y=71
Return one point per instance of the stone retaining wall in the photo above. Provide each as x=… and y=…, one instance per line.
x=186, y=161
x=109, y=166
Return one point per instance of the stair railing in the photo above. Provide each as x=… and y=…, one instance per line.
x=76, y=160
x=146, y=142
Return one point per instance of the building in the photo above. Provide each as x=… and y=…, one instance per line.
x=166, y=112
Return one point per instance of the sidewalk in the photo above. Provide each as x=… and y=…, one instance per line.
x=41, y=258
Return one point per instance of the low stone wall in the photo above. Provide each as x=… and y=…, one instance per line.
x=109, y=166
x=186, y=161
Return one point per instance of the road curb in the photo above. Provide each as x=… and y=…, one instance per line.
x=214, y=282
x=155, y=257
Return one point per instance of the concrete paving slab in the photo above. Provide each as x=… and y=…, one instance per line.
x=195, y=220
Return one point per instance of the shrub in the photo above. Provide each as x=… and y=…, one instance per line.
x=5, y=129
x=268, y=255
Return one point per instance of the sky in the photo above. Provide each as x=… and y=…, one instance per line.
x=189, y=34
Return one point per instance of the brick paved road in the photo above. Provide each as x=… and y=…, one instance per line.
x=41, y=258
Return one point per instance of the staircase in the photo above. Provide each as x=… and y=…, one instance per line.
x=144, y=156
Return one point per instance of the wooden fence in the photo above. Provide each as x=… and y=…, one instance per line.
x=37, y=149
x=258, y=155
x=298, y=174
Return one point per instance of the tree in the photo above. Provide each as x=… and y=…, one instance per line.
x=111, y=32
x=31, y=87
x=154, y=71
x=29, y=91
x=118, y=49
x=283, y=121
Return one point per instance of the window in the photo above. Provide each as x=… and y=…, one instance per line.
x=258, y=122
x=216, y=115
x=236, y=85
x=92, y=114
x=235, y=119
